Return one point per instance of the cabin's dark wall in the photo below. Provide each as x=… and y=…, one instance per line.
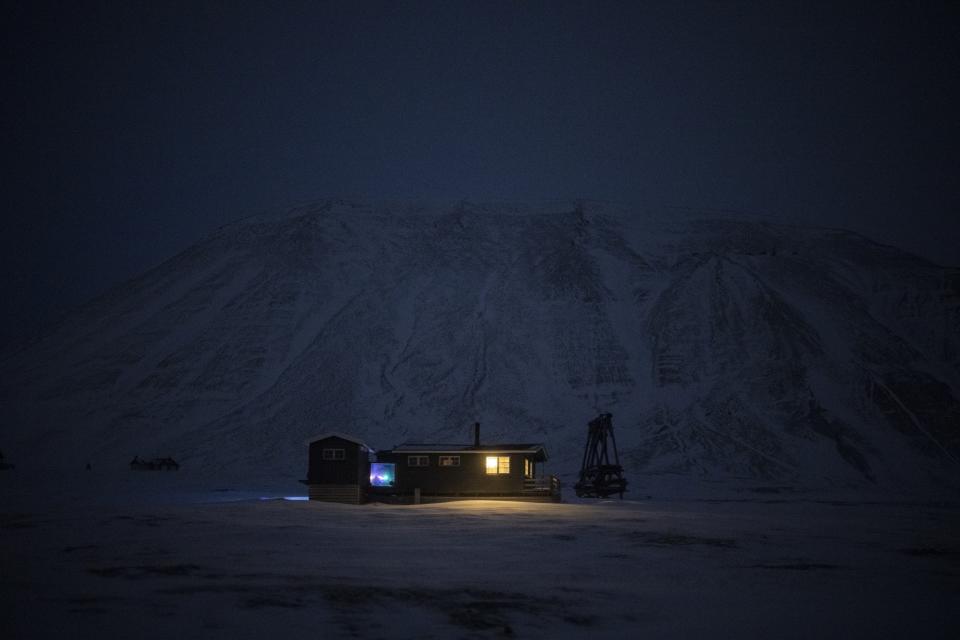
x=353, y=469
x=470, y=477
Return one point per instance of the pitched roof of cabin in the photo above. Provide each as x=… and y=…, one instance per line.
x=337, y=434
x=467, y=448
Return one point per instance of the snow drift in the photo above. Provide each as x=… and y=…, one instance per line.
x=724, y=347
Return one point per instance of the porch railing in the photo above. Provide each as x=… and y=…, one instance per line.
x=549, y=485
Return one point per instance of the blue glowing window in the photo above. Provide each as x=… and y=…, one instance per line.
x=382, y=474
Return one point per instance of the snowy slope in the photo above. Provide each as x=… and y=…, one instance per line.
x=724, y=347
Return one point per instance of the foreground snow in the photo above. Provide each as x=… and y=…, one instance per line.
x=162, y=556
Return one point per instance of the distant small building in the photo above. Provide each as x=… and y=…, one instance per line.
x=340, y=471
x=154, y=464
x=338, y=468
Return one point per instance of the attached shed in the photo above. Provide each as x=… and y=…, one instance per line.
x=338, y=468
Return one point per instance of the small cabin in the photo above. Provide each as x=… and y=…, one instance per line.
x=437, y=472
x=429, y=472
x=338, y=468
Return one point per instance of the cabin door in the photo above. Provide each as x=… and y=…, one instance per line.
x=528, y=468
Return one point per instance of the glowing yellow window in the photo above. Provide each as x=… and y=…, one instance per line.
x=498, y=465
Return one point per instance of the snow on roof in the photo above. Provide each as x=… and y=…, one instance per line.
x=337, y=434
x=444, y=448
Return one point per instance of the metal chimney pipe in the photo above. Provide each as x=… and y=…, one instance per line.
x=476, y=435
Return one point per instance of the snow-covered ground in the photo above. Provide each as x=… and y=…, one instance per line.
x=167, y=555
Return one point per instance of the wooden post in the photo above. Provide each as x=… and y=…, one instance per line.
x=416, y=496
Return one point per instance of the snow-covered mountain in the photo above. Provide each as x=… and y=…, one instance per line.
x=724, y=347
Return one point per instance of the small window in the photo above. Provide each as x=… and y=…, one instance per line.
x=418, y=461
x=449, y=461
x=528, y=468
x=498, y=465
x=334, y=454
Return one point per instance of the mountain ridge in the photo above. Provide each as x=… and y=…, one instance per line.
x=724, y=347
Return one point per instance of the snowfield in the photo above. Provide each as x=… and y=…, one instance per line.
x=140, y=555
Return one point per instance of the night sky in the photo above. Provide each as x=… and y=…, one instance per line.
x=131, y=131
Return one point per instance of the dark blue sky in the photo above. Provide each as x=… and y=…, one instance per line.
x=131, y=131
